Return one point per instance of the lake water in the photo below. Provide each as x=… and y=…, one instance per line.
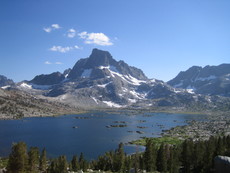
x=91, y=134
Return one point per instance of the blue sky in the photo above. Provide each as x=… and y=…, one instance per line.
x=162, y=37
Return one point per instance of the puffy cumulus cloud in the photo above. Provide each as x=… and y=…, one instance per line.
x=51, y=28
x=95, y=38
x=63, y=49
x=71, y=33
x=55, y=26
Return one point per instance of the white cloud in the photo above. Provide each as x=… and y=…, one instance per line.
x=55, y=26
x=83, y=35
x=51, y=28
x=95, y=38
x=77, y=47
x=71, y=33
x=47, y=29
x=63, y=49
x=47, y=63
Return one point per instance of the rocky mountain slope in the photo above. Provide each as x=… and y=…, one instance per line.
x=100, y=81
x=17, y=104
x=210, y=80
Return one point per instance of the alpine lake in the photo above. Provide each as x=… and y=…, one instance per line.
x=91, y=133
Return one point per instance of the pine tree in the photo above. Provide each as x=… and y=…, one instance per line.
x=127, y=163
x=53, y=167
x=82, y=162
x=209, y=154
x=58, y=165
x=142, y=162
x=228, y=145
x=150, y=156
x=33, y=159
x=187, y=154
x=136, y=162
x=42, y=162
x=62, y=164
x=18, y=159
x=220, y=148
x=119, y=159
x=75, y=164
x=199, y=150
x=173, y=162
x=162, y=159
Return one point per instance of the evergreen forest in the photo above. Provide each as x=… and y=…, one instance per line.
x=187, y=157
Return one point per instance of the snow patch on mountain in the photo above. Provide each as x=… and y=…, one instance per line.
x=153, y=80
x=104, y=85
x=132, y=100
x=128, y=78
x=5, y=87
x=112, y=104
x=191, y=91
x=95, y=100
x=137, y=95
x=25, y=85
x=177, y=91
x=133, y=80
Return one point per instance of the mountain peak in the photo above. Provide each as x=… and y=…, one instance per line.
x=87, y=66
x=96, y=64
x=100, y=58
x=96, y=51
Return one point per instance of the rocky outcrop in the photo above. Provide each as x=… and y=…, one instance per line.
x=4, y=81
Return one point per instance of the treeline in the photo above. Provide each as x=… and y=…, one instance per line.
x=190, y=156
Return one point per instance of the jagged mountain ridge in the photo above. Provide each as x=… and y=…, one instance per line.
x=210, y=80
x=100, y=81
x=100, y=84
x=97, y=65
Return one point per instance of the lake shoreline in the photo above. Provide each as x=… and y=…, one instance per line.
x=105, y=130
x=216, y=124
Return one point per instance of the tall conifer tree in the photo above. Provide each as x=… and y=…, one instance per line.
x=18, y=159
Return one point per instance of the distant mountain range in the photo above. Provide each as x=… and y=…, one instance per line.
x=100, y=81
x=210, y=80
